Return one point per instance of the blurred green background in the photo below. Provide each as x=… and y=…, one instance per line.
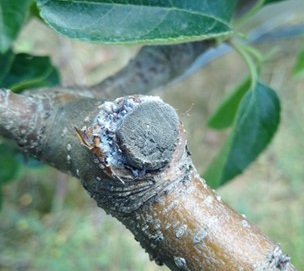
x=48, y=222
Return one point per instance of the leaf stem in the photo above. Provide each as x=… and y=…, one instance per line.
x=245, y=54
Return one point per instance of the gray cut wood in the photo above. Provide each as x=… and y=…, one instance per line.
x=148, y=135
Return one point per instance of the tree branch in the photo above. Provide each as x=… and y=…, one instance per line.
x=153, y=67
x=43, y=126
x=144, y=178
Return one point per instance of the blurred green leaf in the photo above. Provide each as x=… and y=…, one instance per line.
x=8, y=164
x=34, y=11
x=28, y=161
x=298, y=69
x=6, y=61
x=266, y=2
x=224, y=115
x=12, y=16
x=1, y=197
x=52, y=79
x=122, y=21
x=30, y=71
x=257, y=120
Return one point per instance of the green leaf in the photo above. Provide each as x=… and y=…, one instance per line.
x=266, y=2
x=8, y=163
x=298, y=69
x=6, y=61
x=224, y=115
x=30, y=71
x=257, y=120
x=34, y=11
x=12, y=16
x=144, y=21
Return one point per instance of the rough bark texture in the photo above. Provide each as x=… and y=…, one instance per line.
x=170, y=210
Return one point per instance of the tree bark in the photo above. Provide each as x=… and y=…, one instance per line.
x=170, y=210
x=153, y=67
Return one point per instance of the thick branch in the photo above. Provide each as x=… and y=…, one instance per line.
x=190, y=228
x=41, y=126
x=153, y=67
x=23, y=120
x=169, y=209
x=178, y=219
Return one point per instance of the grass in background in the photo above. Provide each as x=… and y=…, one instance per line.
x=76, y=236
